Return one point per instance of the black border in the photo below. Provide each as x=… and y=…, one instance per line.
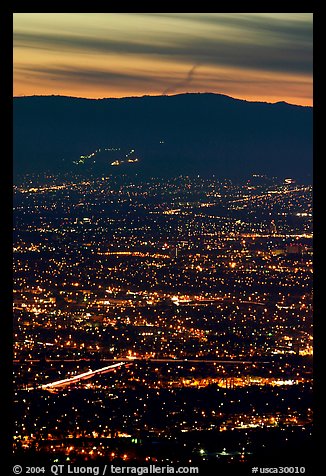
x=6, y=82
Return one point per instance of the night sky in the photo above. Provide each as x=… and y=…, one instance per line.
x=253, y=56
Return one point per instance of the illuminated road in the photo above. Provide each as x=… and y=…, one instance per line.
x=123, y=361
x=77, y=378
x=199, y=361
x=36, y=342
x=142, y=360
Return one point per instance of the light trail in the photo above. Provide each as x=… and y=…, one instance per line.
x=76, y=378
x=36, y=342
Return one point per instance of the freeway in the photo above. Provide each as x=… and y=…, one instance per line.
x=77, y=378
x=120, y=362
x=141, y=360
x=125, y=361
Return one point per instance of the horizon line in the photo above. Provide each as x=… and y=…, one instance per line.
x=160, y=95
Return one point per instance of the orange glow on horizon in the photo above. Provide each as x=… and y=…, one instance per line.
x=255, y=57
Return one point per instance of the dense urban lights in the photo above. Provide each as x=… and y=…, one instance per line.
x=175, y=311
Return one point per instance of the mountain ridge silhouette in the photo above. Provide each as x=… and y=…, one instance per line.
x=190, y=133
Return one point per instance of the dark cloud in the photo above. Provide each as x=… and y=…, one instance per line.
x=282, y=28
x=82, y=75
